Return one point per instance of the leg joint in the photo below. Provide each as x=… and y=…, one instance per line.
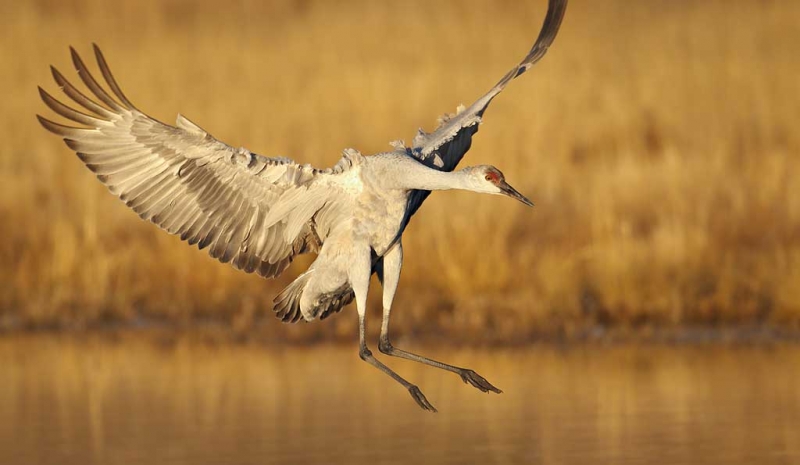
x=385, y=346
x=364, y=353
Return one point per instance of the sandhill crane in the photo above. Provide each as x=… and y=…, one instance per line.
x=258, y=213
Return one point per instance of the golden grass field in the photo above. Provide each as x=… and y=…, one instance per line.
x=658, y=139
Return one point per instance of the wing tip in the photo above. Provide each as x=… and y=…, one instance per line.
x=76, y=58
x=109, y=78
x=49, y=125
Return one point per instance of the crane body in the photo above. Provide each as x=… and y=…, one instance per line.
x=258, y=213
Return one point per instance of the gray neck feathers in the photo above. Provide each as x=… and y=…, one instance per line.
x=411, y=174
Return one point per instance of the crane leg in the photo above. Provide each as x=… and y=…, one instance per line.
x=392, y=263
x=361, y=287
x=467, y=375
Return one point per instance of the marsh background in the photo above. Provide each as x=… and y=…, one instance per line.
x=658, y=139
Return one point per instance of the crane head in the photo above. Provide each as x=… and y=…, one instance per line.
x=490, y=180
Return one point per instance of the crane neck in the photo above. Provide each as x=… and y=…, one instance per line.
x=415, y=175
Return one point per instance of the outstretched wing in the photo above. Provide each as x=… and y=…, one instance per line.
x=254, y=212
x=443, y=148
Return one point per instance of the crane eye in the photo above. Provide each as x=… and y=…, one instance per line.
x=489, y=177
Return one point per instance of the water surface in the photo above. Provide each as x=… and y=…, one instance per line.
x=95, y=400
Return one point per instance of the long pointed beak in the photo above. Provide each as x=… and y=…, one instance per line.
x=514, y=194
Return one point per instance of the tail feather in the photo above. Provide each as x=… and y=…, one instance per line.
x=344, y=296
x=287, y=303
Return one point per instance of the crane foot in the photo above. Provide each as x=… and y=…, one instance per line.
x=419, y=397
x=478, y=381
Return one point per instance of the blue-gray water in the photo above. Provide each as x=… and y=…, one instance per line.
x=78, y=400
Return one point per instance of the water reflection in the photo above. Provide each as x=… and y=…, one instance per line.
x=73, y=400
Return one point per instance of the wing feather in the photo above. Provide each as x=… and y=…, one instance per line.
x=190, y=184
x=444, y=148
x=91, y=83
x=78, y=97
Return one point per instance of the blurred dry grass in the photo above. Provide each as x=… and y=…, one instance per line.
x=657, y=139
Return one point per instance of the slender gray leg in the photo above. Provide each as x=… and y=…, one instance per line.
x=360, y=283
x=392, y=263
